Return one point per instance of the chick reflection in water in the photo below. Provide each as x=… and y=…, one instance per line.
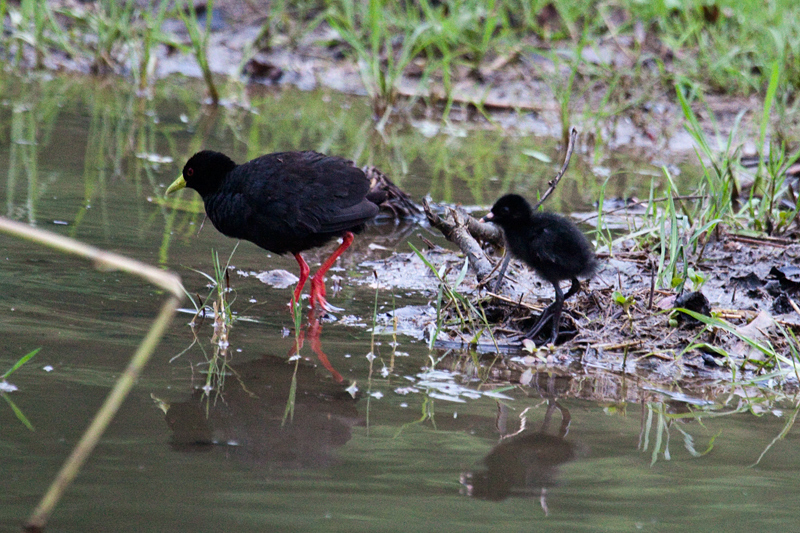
x=249, y=418
x=524, y=463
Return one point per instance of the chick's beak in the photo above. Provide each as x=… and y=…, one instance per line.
x=176, y=185
x=486, y=218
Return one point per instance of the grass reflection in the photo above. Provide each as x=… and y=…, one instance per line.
x=6, y=388
x=128, y=147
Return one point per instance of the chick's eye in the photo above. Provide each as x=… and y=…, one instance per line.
x=189, y=172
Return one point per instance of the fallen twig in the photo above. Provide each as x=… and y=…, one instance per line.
x=429, y=243
x=768, y=241
x=454, y=227
x=617, y=346
x=518, y=303
x=483, y=231
x=553, y=183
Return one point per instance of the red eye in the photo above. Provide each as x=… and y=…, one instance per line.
x=189, y=172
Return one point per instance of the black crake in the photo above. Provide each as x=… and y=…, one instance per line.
x=284, y=202
x=548, y=243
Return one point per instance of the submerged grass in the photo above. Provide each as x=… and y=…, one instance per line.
x=664, y=423
x=220, y=311
x=454, y=310
x=660, y=419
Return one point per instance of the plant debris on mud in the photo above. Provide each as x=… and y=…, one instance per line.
x=619, y=322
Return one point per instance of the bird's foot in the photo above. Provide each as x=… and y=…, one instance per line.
x=553, y=319
x=544, y=318
x=551, y=341
x=318, y=296
x=556, y=333
x=325, y=306
x=318, y=301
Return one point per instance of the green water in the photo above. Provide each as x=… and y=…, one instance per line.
x=393, y=457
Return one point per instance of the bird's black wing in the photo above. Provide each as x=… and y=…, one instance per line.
x=332, y=193
x=545, y=245
x=559, y=244
x=291, y=201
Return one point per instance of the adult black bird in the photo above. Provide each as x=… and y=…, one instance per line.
x=285, y=202
x=548, y=243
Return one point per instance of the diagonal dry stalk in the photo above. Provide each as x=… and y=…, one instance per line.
x=106, y=261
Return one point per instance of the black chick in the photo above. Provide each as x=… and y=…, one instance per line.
x=285, y=202
x=548, y=243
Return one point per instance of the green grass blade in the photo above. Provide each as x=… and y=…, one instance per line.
x=769, y=99
x=19, y=363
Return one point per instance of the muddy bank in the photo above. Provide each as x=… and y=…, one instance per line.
x=619, y=323
x=742, y=283
x=512, y=95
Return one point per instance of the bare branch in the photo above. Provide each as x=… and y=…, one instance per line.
x=553, y=183
x=454, y=226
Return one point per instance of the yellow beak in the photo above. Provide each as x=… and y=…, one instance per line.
x=176, y=185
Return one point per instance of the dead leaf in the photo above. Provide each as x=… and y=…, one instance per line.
x=759, y=330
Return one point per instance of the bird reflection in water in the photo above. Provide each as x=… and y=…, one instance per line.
x=249, y=417
x=524, y=463
x=312, y=332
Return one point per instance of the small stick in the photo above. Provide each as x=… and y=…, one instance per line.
x=501, y=275
x=486, y=279
x=430, y=244
x=618, y=346
x=518, y=303
x=657, y=356
x=794, y=305
x=553, y=183
x=768, y=241
x=652, y=283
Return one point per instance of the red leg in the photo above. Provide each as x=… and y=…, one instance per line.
x=304, y=271
x=318, y=280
